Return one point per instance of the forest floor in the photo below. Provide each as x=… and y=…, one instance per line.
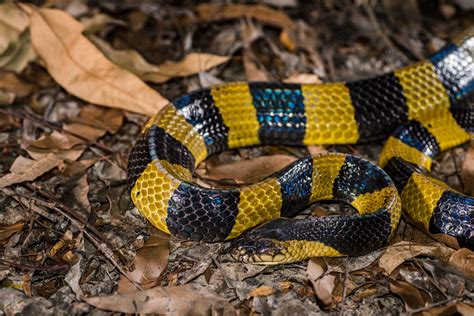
x=73, y=99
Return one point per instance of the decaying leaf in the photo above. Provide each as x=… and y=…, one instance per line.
x=78, y=66
x=24, y=169
x=402, y=251
x=150, y=262
x=188, y=299
x=131, y=60
x=262, y=13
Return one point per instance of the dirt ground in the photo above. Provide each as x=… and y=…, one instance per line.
x=79, y=79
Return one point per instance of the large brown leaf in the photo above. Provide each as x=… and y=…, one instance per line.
x=80, y=68
x=188, y=299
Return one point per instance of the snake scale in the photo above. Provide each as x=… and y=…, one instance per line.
x=422, y=109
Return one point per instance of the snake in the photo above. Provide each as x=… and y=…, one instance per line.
x=420, y=110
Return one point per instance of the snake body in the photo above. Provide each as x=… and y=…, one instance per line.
x=425, y=108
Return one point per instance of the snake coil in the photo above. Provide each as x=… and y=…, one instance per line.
x=423, y=109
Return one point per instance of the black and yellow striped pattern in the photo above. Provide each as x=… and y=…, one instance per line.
x=429, y=95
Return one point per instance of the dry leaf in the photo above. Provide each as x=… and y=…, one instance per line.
x=192, y=63
x=463, y=260
x=66, y=147
x=150, y=262
x=352, y=264
x=459, y=308
x=56, y=140
x=191, y=299
x=323, y=285
x=24, y=169
x=262, y=13
x=106, y=119
x=249, y=171
x=287, y=41
x=303, y=79
x=13, y=22
x=79, y=67
x=131, y=60
x=88, y=132
x=467, y=170
x=7, y=231
x=75, y=167
x=19, y=54
x=360, y=295
x=263, y=290
x=402, y=251
x=98, y=21
x=316, y=150
x=409, y=294
x=15, y=46
x=9, y=82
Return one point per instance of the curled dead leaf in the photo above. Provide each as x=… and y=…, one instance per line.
x=323, y=284
x=150, y=262
x=78, y=66
x=463, y=260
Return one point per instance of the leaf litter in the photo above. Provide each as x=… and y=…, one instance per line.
x=73, y=98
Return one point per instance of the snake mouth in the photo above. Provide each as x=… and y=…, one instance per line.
x=266, y=252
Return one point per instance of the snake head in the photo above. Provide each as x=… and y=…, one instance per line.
x=263, y=244
x=259, y=251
